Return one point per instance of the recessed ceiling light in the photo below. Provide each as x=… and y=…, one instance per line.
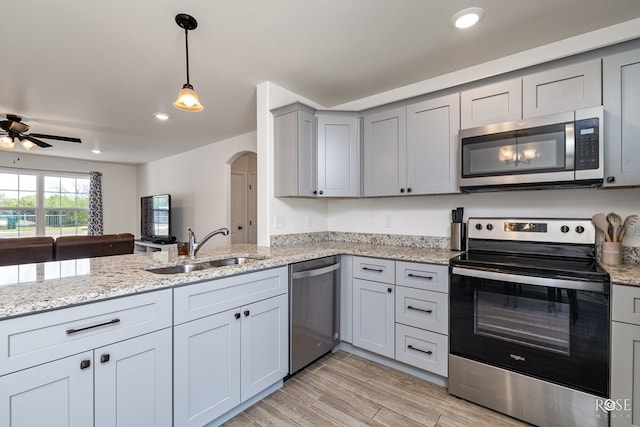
x=161, y=116
x=96, y=151
x=467, y=17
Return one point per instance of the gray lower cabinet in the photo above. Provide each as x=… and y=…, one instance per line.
x=621, y=86
x=102, y=364
x=230, y=343
x=401, y=311
x=412, y=149
x=625, y=356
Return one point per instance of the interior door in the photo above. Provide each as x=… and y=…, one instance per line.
x=238, y=207
x=252, y=211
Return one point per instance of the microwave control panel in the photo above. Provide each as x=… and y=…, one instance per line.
x=587, y=144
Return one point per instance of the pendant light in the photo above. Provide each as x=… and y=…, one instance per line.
x=187, y=97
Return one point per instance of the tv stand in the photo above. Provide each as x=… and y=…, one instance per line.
x=141, y=246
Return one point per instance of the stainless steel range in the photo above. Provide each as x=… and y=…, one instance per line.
x=529, y=321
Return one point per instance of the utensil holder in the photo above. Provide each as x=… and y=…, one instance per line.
x=611, y=253
x=458, y=236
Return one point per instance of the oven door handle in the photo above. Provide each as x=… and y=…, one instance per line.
x=533, y=280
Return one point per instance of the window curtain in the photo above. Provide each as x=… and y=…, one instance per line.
x=95, y=226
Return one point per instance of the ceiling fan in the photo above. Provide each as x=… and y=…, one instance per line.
x=13, y=128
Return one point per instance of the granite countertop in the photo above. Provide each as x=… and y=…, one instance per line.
x=30, y=288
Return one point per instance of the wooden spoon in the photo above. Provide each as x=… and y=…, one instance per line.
x=600, y=221
x=628, y=222
x=616, y=222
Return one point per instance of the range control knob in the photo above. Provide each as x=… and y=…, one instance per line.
x=478, y=226
x=489, y=227
x=564, y=229
x=579, y=229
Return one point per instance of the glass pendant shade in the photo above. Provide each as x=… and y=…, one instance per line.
x=6, y=142
x=188, y=99
x=27, y=145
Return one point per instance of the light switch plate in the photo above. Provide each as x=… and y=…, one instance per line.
x=387, y=221
x=278, y=221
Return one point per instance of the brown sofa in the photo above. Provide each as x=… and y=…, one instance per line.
x=26, y=250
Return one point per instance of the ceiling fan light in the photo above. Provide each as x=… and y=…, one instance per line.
x=6, y=142
x=27, y=145
x=188, y=99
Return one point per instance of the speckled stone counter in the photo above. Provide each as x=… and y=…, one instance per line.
x=31, y=288
x=625, y=274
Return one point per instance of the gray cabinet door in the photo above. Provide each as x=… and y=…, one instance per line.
x=373, y=317
x=206, y=368
x=338, y=154
x=133, y=385
x=385, y=142
x=55, y=394
x=490, y=104
x=432, y=145
x=264, y=344
x=625, y=374
x=294, y=151
x=621, y=91
x=566, y=88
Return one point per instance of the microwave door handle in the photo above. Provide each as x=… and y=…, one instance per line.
x=570, y=146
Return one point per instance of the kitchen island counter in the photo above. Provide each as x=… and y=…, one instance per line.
x=31, y=288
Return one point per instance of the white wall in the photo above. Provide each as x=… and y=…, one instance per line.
x=431, y=215
x=199, y=184
x=119, y=199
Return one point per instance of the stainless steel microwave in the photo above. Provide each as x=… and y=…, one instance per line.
x=560, y=150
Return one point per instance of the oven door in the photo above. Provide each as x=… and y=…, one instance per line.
x=555, y=330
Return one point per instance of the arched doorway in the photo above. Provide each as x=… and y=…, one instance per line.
x=244, y=206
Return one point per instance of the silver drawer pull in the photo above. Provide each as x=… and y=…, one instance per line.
x=410, y=347
x=110, y=322
x=419, y=309
x=377, y=270
x=417, y=276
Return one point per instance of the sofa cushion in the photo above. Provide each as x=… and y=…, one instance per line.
x=71, y=247
x=25, y=250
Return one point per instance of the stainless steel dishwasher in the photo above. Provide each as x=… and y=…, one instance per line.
x=314, y=310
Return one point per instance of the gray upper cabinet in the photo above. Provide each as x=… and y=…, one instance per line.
x=432, y=145
x=385, y=138
x=338, y=154
x=564, y=88
x=294, y=151
x=492, y=103
x=621, y=86
x=412, y=149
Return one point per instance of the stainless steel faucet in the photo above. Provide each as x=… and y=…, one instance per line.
x=195, y=246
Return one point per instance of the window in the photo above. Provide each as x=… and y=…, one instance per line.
x=43, y=204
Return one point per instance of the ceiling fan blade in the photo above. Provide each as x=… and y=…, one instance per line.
x=39, y=143
x=5, y=124
x=56, y=137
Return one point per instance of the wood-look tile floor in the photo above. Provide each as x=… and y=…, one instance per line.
x=342, y=389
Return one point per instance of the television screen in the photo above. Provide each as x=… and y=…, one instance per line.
x=155, y=218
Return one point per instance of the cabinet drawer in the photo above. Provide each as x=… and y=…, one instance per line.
x=423, y=276
x=215, y=296
x=31, y=340
x=376, y=269
x=625, y=304
x=422, y=309
x=422, y=349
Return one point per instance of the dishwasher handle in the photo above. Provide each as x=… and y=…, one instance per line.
x=315, y=271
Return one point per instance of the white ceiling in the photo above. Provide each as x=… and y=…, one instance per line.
x=98, y=70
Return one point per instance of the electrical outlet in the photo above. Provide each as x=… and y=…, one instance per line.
x=278, y=221
x=387, y=221
x=308, y=220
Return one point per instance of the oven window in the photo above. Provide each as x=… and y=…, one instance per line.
x=537, y=323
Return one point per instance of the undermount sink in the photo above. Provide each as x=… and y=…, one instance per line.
x=186, y=268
